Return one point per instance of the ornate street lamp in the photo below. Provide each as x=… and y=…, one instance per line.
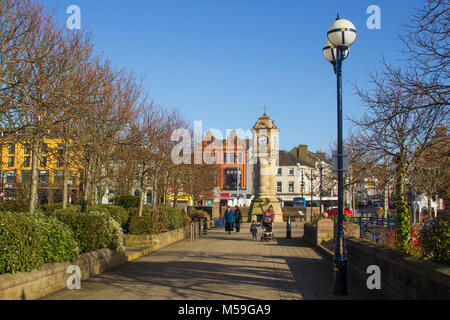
x=341, y=36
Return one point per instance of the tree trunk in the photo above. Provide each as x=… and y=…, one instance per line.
x=65, y=194
x=141, y=200
x=155, y=194
x=403, y=224
x=175, y=199
x=386, y=200
x=34, y=177
x=430, y=209
x=85, y=187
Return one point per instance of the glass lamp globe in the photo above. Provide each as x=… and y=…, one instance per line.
x=330, y=52
x=342, y=33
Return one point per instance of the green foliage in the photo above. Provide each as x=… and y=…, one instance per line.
x=118, y=213
x=157, y=220
x=142, y=225
x=403, y=227
x=93, y=230
x=175, y=217
x=14, y=206
x=29, y=241
x=50, y=208
x=59, y=243
x=127, y=201
x=435, y=241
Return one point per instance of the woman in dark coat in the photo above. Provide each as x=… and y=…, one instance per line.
x=229, y=220
x=237, y=218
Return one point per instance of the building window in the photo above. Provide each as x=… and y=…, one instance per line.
x=291, y=186
x=25, y=176
x=280, y=171
x=239, y=158
x=232, y=158
x=59, y=163
x=43, y=161
x=58, y=177
x=11, y=161
x=10, y=176
x=43, y=176
x=12, y=148
x=224, y=158
x=27, y=149
x=279, y=187
x=291, y=171
x=230, y=178
x=44, y=148
x=26, y=161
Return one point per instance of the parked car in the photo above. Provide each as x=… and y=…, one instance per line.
x=334, y=211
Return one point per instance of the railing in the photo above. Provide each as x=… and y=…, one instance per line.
x=376, y=229
x=195, y=231
x=198, y=229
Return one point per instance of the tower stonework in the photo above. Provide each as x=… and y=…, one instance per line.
x=265, y=156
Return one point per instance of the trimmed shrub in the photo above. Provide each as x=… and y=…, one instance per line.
x=59, y=243
x=142, y=225
x=27, y=242
x=94, y=230
x=127, y=201
x=116, y=212
x=20, y=244
x=157, y=220
x=434, y=240
x=14, y=206
x=50, y=208
x=176, y=217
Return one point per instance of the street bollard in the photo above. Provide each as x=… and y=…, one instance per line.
x=288, y=228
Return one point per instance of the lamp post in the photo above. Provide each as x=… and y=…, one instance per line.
x=311, y=177
x=303, y=189
x=341, y=35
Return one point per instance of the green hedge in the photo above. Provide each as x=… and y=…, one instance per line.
x=27, y=242
x=157, y=220
x=93, y=230
x=127, y=201
x=14, y=206
x=434, y=240
x=118, y=213
x=142, y=225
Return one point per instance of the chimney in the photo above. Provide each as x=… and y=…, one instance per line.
x=302, y=152
x=321, y=154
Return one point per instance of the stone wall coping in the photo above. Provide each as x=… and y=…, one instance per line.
x=10, y=280
x=433, y=271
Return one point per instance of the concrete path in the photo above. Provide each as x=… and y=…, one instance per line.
x=221, y=266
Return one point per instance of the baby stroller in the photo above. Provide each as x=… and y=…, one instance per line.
x=267, y=230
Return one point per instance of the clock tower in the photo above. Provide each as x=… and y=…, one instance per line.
x=264, y=157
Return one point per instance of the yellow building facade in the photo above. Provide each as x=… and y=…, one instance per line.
x=16, y=162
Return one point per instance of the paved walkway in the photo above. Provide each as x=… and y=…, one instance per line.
x=221, y=266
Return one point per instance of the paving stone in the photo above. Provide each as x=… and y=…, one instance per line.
x=221, y=266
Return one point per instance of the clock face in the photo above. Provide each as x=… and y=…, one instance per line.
x=262, y=141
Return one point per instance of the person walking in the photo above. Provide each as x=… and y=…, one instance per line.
x=237, y=219
x=229, y=219
x=254, y=230
x=268, y=219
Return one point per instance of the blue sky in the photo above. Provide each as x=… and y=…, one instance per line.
x=220, y=61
